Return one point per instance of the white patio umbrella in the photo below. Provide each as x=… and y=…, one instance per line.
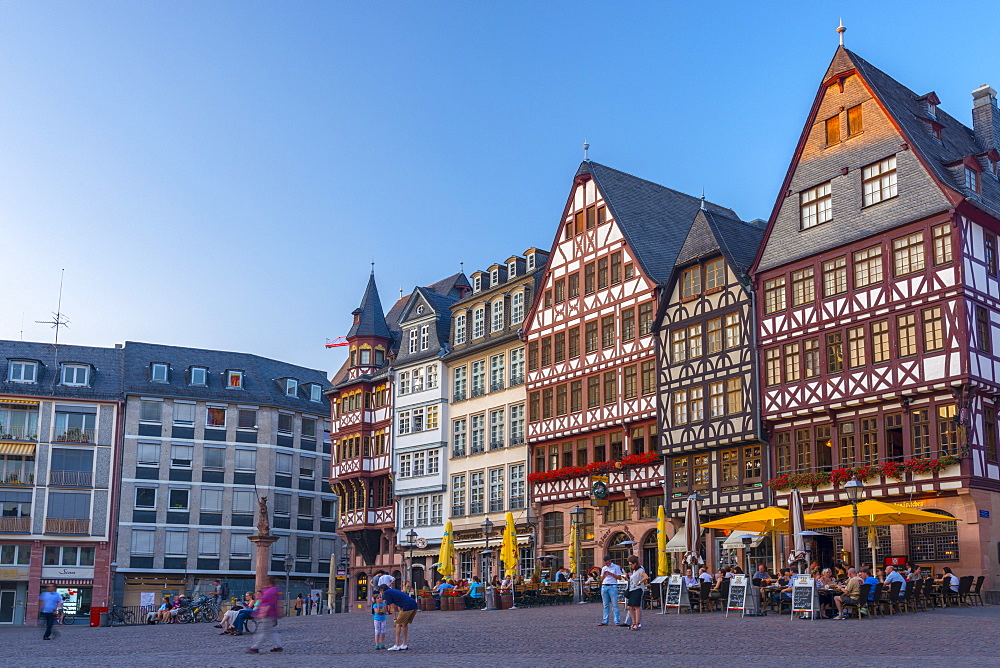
x=692, y=533
x=797, y=524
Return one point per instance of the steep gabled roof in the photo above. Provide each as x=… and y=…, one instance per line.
x=446, y=286
x=713, y=232
x=654, y=219
x=371, y=319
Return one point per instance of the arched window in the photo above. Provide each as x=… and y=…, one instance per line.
x=934, y=541
x=620, y=553
x=650, y=555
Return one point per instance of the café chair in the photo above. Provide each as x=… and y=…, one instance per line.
x=965, y=589
x=704, y=597
x=909, y=603
x=875, y=606
x=892, y=597
x=976, y=594
x=862, y=598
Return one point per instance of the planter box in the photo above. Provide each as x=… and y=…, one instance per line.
x=506, y=601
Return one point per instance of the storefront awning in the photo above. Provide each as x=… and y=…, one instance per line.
x=67, y=583
x=16, y=448
x=679, y=543
x=495, y=543
x=735, y=539
x=19, y=402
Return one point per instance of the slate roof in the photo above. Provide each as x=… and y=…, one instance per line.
x=957, y=139
x=260, y=376
x=371, y=320
x=105, y=377
x=654, y=219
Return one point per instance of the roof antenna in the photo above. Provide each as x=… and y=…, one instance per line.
x=373, y=266
x=58, y=319
x=400, y=292
x=586, y=148
x=841, y=29
x=461, y=267
x=703, y=198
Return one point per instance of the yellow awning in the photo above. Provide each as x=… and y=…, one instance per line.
x=7, y=400
x=16, y=448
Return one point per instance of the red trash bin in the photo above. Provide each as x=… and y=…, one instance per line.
x=95, y=615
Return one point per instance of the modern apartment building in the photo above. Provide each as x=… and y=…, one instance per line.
x=488, y=455
x=60, y=448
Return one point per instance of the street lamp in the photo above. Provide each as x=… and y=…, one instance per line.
x=411, y=540
x=854, y=489
x=487, y=531
x=289, y=564
x=576, y=518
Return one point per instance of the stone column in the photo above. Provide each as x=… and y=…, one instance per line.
x=262, y=563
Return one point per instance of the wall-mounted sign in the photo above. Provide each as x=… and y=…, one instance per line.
x=68, y=572
x=985, y=514
x=13, y=573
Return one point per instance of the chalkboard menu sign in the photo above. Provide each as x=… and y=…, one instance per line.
x=737, y=592
x=804, y=597
x=623, y=593
x=677, y=594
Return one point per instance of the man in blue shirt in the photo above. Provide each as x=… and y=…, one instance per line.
x=871, y=580
x=403, y=609
x=892, y=576
x=51, y=601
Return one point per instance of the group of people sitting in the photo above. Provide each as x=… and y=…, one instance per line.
x=234, y=621
x=167, y=612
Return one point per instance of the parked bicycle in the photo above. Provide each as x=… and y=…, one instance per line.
x=120, y=615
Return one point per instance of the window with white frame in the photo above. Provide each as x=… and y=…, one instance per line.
x=478, y=378
x=75, y=375
x=431, y=420
x=414, y=339
x=246, y=459
x=291, y=387
x=178, y=498
x=175, y=543
x=496, y=490
x=478, y=429
x=22, y=371
x=437, y=509
x=517, y=366
x=458, y=440
x=477, y=491
x=418, y=380
x=432, y=376
x=479, y=322
x=680, y=407
x=159, y=373
x=208, y=543
x=404, y=422
x=198, y=375
x=511, y=269
x=211, y=499
x=423, y=511
x=419, y=464
x=816, y=205
x=477, y=283
x=240, y=545
x=497, y=429
x=459, y=328
x=406, y=465
x=516, y=486
x=234, y=380
x=494, y=277
x=530, y=257
x=183, y=414
x=148, y=453
x=316, y=393
x=498, y=315
x=283, y=463
x=282, y=504
x=307, y=467
x=145, y=498
x=215, y=417
x=879, y=181
x=517, y=307
x=425, y=337
x=517, y=424
x=409, y=511
x=404, y=382
x=459, y=385
x=497, y=374
x=143, y=541
x=458, y=495
x=433, y=462
x=181, y=455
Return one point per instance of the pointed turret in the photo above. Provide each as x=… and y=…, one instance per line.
x=369, y=320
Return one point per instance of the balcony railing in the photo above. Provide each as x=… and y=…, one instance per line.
x=18, y=433
x=84, y=435
x=496, y=445
x=516, y=380
x=476, y=508
x=516, y=440
x=477, y=391
x=459, y=395
x=16, y=478
x=458, y=452
x=71, y=478
x=476, y=448
x=516, y=502
x=15, y=524
x=56, y=525
x=496, y=506
x=497, y=386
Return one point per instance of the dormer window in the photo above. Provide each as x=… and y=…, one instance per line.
x=459, y=328
x=511, y=269
x=291, y=387
x=76, y=375
x=495, y=277
x=414, y=340
x=199, y=375
x=477, y=283
x=366, y=356
x=530, y=261
x=234, y=380
x=316, y=393
x=22, y=371
x=159, y=372
x=379, y=356
x=972, y=179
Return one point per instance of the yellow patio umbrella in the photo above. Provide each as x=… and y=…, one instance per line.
x=574, y=550
x=768, y=520
x=872, y=513
x=508, y=549
x=447, y=553
x=662, y=563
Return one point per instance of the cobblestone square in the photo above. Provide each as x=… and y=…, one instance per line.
x=550, y=636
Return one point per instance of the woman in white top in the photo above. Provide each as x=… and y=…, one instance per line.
x=636, y=590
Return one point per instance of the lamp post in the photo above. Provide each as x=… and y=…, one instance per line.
x=576, y=517
x=411, y=540
x=487, y=532
x=854, y=489
x=289, y=564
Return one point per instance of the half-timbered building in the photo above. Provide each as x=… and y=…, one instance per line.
x=877, y=303
x=707, y=408
x=592, y=365
x=362, y=435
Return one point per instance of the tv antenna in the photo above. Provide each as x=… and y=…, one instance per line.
x=59, y=319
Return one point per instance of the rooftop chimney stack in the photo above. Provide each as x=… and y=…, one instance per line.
x=986, y=116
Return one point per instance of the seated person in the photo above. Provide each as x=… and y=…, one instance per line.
x=760, y=576
x=689, y=579
x=892, y=576
x=704, y=575
x=476, y=588
x=162, y=613
x=851, y=595
x=240, y=625
x=442, y=586
x=229, y=619
x=949, y=579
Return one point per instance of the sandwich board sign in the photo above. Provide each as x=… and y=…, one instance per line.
x=660, y=581
x=804, y=596
x=677, y=593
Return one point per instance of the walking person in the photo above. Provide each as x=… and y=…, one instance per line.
x=51, y=603
x=610, y=575
x=403, y=609
x=309, y=605
x=636, y=590
x=267, y=614
x=298, y=605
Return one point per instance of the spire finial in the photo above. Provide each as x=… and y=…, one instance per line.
x=841, y=29
x=703, y=198
x=373, y=266
x=400, y=292
x=586, y=148
x=461, y=267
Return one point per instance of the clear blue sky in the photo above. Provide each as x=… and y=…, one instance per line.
x=220, y=174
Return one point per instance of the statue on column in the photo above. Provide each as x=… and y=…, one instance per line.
x=263, y=525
